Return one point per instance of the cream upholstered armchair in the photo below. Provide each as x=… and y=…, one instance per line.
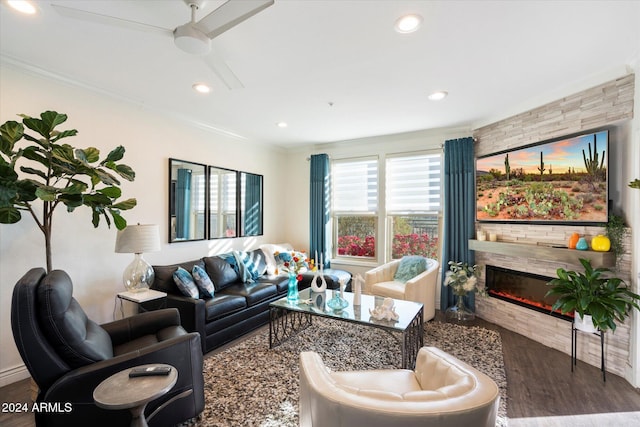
x=442, y=391
x=422, y=288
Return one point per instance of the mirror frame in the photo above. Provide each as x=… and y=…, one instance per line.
x=244, y=197
x=240, y=201
x=173, y=201
x=212, y=231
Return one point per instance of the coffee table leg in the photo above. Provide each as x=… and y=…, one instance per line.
x=283, y=324
x=412, y=341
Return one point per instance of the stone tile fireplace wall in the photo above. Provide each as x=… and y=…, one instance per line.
x=608, y=104
x=548, y=330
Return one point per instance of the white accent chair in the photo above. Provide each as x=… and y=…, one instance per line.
x=421, y=288
x=442, y=391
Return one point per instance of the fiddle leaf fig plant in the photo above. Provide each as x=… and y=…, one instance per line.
x=605, y=299
x=54, y=174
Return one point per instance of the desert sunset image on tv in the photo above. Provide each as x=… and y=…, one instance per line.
x=564, y=180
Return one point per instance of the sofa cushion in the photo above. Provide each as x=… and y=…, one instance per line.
x=77, y=339
x=184, y=281
x=223, y=305
x=203, y=282
x=410, y=266
x=281, y=282
x=254, y=293
x=164, y=276
x=220, y=272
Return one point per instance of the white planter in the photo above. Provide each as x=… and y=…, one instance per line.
x=584, y=324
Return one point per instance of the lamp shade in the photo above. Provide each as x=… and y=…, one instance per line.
x=137, y=239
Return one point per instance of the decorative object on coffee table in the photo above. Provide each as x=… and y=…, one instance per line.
x=292, y=290
x=358, y=284
x=386, y=311
x=294, y=264
x=319, y=276
x=337, y=302
x=463, y=279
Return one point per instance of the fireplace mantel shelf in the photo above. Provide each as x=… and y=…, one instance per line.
x=531, y=250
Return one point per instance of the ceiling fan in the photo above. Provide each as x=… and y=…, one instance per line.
x=194, y=37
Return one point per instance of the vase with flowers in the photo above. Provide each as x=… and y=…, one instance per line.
x=462, y=279
x=294, y=264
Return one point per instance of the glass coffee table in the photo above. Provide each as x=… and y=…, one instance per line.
x=286, y=319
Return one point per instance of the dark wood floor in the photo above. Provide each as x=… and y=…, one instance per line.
x=539, y=380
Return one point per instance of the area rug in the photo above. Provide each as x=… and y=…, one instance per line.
x=249, y=384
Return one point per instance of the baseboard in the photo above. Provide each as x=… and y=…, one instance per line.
x=12, y=375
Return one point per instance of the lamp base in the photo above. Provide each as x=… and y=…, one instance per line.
x=138, y=276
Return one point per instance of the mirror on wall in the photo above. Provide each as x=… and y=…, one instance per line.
x=250, y=204
x=210, y=202
x=223, y=207
x=187, y=201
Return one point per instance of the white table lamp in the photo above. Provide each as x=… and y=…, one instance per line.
x=137, y=239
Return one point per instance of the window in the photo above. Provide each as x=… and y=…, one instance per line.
x=413, y=204
x=355, y=206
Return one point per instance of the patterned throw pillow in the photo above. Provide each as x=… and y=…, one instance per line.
x=203, y=282
x=249, y=265
x=410, y=266
x=184, y=281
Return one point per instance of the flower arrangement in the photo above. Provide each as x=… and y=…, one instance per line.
x=462, y=278
x=293, y=263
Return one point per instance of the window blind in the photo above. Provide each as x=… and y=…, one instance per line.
x=413, y=184
x=355, y=185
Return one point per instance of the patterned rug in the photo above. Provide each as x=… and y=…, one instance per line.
x=251, y=385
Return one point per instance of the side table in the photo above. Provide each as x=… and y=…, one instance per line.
x=121, y=392
x=145, y=300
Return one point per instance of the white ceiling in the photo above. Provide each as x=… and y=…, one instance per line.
x=336, y=70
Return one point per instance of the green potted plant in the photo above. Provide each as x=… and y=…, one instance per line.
x=57, y=174
x=616, y=231
x=596, y=300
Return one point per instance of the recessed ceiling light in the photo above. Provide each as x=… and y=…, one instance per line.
x=282, y=124
x=201, y=87
x=437, y=96
x=408, y=23
x=22, y=6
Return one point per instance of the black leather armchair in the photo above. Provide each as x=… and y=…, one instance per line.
x=68, y=355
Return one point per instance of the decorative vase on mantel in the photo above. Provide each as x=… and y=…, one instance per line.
x=292, y=291
x=459, y=312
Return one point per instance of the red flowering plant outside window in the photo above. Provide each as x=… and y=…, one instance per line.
x=356, y=246
x=414, y=244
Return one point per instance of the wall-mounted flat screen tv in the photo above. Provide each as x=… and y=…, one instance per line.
x=562, y=180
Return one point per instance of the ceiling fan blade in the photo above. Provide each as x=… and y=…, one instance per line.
x=223, y=71
x=229, y=15
x=109, y=20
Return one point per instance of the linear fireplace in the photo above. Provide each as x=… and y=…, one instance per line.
x=521, y=288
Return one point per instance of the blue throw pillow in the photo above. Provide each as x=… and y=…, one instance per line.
x=203, y=282
x=410, y=266
x=184, y=281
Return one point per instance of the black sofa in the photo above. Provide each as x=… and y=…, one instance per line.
x=236, y=307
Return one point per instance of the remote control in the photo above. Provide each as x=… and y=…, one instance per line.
x=149, y=371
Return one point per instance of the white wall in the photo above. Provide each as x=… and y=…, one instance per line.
x=150, y=138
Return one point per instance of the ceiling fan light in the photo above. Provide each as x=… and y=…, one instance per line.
x=191, y=40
